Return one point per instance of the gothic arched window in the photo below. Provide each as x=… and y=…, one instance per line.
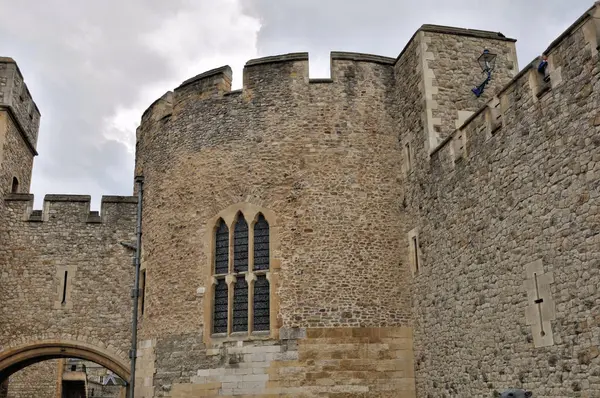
x=241, y=290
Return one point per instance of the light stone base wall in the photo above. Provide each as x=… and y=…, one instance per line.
x=314, y=362
x=144, y=369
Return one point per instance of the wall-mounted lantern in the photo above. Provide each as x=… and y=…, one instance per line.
x=487, y=61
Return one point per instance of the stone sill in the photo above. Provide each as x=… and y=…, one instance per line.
x=240, y=336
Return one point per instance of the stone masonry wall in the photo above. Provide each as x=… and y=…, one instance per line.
x=314, y=362
x=39, y=380
x=507, y=208
x=241, y=136
x=16, y=159
x=40, y=246
x=323, y=157
x=504, y=208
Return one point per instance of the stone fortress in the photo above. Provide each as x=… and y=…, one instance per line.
x=382, y=233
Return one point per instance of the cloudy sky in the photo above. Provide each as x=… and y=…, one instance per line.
x=94, y=66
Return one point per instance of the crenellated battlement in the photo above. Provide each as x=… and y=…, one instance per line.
x=529, y=89
x=260, y=75
x=285, y=79
x=71, y=209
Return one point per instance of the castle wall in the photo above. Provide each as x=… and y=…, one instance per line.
x=421, y=245
x=16, y=159
x=510, y=205
x=40, y=248
x=15, y=95
x=451, y=71
x=322, y=156
x=39, y=380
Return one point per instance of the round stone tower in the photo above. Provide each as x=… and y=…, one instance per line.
x=274, y=257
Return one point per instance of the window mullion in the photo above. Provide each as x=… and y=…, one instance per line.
x=250, y=278
x=230, y=280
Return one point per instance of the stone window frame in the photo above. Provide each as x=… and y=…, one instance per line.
x=414, y=252
x=409, y=157
x=15, y=185
x=64, y=289
x=229, y=215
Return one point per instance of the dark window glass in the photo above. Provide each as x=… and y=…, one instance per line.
x=416, y=249
x=64, y=293
x=261, y=244
x=240, y=245
x=222, y=248
x=240, y=305
x=220, y=314
x=261, y=303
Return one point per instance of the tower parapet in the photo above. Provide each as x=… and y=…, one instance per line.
x=15, y=97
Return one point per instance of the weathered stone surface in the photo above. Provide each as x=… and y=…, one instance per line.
x=527, y=193
x=417, y=231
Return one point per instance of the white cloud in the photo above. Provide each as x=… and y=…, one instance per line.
x=93, y=67
x=93, y=71
x=225, y=36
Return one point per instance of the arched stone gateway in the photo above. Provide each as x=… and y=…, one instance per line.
x=19, y=357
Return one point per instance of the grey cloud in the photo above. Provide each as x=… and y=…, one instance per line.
x=85, y=60
x=82, y=61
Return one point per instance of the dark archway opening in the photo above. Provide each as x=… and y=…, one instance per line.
x=65, y=378
x=13, y=360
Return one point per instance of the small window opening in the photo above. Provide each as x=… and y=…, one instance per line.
x=416, y=252
x=15, y=185
x=143, y=291
x=64, y=293
x=407, y=154
x=73, y=368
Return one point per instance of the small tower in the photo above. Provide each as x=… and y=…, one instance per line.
x=448, y=59
x=19, y=124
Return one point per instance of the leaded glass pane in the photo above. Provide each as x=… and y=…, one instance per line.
x=221, y=248
x=261, y=244
x=261, y=303
x=240, y=306
x=240, y=245
x=220, y=310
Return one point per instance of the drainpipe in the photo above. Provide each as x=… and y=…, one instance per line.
x=136, y=289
